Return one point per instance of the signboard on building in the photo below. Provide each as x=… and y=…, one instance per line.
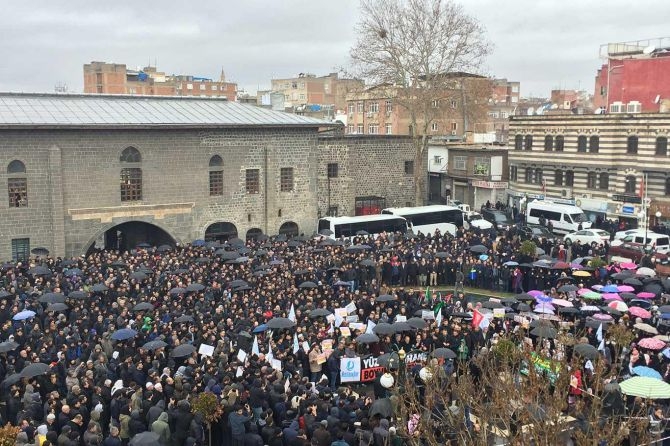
x=627, y=198
x=490, y=184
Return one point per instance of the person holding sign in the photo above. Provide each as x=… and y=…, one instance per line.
x=315, y=365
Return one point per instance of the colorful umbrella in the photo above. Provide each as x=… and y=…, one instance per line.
x=639, y=312
x=646, y=328
x=562, y=302
x=582, y=291
x=602, y=317
x=628, y=265
x=589, y=308
x=543, y=298
x=535, y=293
x=23, y=315
x=625, y=288
x=647, y=372
x=592, y=295
x=650, y=388
x=544, y=309
x=618, y=305
x=576, y=266
x=611, y=296
x=651, y=343
x=581, y=274
x=645, y=295
x=609, y=289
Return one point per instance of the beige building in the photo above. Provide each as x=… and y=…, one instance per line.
x=112, y=78
x=311, y=90
x=598, y=162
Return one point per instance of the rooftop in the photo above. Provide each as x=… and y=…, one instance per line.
x=92, y=110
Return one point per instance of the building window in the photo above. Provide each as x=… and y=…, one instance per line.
x=332, y=211
x=518, y=142
x=20, y=249
x=389, y=106
x=17, y=184
x=513, y=173
x=189, y=86
x=538, y=176
x=504, y=114
x=529, y=142
x=435, y=103
x=373, y=107
x=454, y=126
x=350, y=128
x=481, y=166
x=569, y=178
x=460, y=162
x=252, y=181
x=558, y=177
x=581, y=143
x=591, y=179
x=360, y=129
x=667, y=186
x=215, y=176
x=131, y=184
x=203, y=86
x=604, y=182
x=131, y=155
x=528, y=175
x=662, y=146
x=594, y=144
x=333, y=170
x=351, y=109
x=559, y=143
x=373, y=129
x=454, y=103
x=302, y=96
x=360, y=107
x=215, y=88
x=409, y=167
x=286, y=179
x=630, y=184
x=434, y=126
x=548, y=143
x=389, y=129
x=631, y=146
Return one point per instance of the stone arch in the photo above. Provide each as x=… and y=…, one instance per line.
x=221, y=231
x=128, y=234
x=254, y=233
x=289, y=228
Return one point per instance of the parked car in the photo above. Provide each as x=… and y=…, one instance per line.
x=475, y=220
x=535, y=233
x=633, y=252
x=587, y=236
x=499, y=219
x=658, y=242
x=620, y=235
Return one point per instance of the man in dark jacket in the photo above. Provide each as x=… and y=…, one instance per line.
x=237, y=420
x=321, y=436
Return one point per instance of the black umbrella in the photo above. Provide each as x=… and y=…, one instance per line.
x=57, y=307
x=4, y=294
x=184, y=319
x=227, y=255
x=460, y=314
x=8, y=346
x=326, y=232
x=78, y=294
x=139, y=276
x=39, y=271
x=478, y=249
x=384, y=298
x=568, y=310
x=381, y=407
x=177, y=290
x=522, y=307
x=183, y=350
x=568, y=288
x=99, y=288
x=632, y=281
x=164, y=248
x=308, y=284
x=442, y=255
x=623, y=275
x=524, y=297
x=279, y=323
x=236, y=241
x=417, y=322
x=445, y=353
x=12, y=379
x=319, y=312
x=367, y=338
x=401, y=326
x=238, y=283
x=35, y=369
x=154, y=345
x=491, y=304
x=509, y=300
x=294, y=244
x=143, y=306
x=194, y=287
x=544, y=332
x=383, y=329
x=52, y=298
x=40, y=251
x=389, y=360
x=145, y=439
x=123, y=334
x=368, y=262
x=118, y=264
x=586, y=351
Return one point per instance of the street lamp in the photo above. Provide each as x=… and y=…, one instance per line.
x=387, y=380
x=658, y=216
x=425, y=374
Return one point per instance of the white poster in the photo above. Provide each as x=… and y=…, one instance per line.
x=350, y=369
x=206, y=350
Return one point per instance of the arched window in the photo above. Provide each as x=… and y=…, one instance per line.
x=662, y=146
x=591, y=180
x=559, y=143
x=529, y=142
x=254, y=233
x=221, y=231
x=215, y=176
x=630, y=185
x=131, y=174
x=594, y=144
x=558, y=177
x=604, y=183
x=17, y=184
x=581, y=143
x=518, y=142
x=548, y=143
x=289, y=229
x=631, y=146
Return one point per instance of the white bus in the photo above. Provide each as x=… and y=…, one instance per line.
x=426, y=219
x=372, y=224
x=564, y=218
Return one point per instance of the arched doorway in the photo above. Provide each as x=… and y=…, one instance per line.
x=254, y=233
x=289, y=229
x=220, y=231
x=130, y=235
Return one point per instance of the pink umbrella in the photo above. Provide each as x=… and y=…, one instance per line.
x=582, y=291
x=576, y=266
x=625, y=288
x=535, y=293
x=628, y=265
x=618, y=305
x=602, y=317
x=562, y=303
x=651, y=343
x=646, y=295
x=611, y=296
x=639, y=312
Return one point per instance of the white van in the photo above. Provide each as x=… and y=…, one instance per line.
x=564, y=218
x=659, y=242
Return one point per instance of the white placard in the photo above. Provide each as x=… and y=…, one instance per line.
x=241, y=355
x=206, y=350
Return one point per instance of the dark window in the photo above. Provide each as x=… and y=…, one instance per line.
x=20, y=249
x=529, y=175
x=332, y=211
x=131, y=155
x=254, y=233
x=529, y=142
x=662, y=146
x=332, y=170
x=591, y=179
x=369, y=205
x=569, y=178
x=220, y=231
x=631, y=146
x=667, y=186
x=594, y=144
x=630, y=184
x=215, y=176
x=518, y=142
x=409, y=167
x=286, y=179
x=16, y=166
x=559, y=144
x=289, y=229
x=18, y=192
x=538, y=176
x=549, y=215
x=513, y=173
x=604, y=181
x=131, y=184
x=252, y=181
x=581, y=143
x=548, y=143
x=216, y=161
x=558, y=177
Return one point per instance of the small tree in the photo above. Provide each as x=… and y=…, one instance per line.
x=529, y=248
x=207, y=405
x=8, y=435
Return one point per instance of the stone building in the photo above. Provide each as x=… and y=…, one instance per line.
x=115, y=171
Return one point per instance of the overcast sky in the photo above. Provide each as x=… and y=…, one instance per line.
x=543, y=44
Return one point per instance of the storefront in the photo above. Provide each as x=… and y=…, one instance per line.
x=595, y=210
x=491, y=191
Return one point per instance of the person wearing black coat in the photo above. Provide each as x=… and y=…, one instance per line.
x=136, y=425
x=182, y=422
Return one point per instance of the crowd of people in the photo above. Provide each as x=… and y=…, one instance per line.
x=101, y=350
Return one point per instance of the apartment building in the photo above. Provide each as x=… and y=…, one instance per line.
x=316, y=91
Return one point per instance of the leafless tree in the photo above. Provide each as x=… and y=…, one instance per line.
x=419, y=48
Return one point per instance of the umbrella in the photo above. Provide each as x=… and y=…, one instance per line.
x=645, y=295
x=57, y=307
x=227, y=255
x=164, y=248
x=491, y=304
x=639, y=312
x=52, y=298
x=8, y=346
x=592, y=295
x=441, y=255
x=367, y=338
x=586, y=351
x=78, y=294
x=238, y=283
x=603, y=317
x=645, y=328
x=647, y=372
x=651, y=343
x=445, y=353
x=417, y=322
x=628, y=265
x=362, y=232
x=139, y=276
x=544, y=332
x=627, y=295
x=562, y=303
x=383, y=329
x=73, y=272
x=632, y=281
x=143, y=306
x=124, y=334
x=368, y=262
x=184, y=318
x=384, y=298
x=645, y=387
x=177, y=290
x=183, y=350
x=389, y=360
x=325, y=232
x=145, y=439
x=35, y=369
x=118, y=264
x=401, y=326
x=4, y=294
x=279, y=323
x=154, y=345
x=40, y=251
x=12, y=379
x=609, y=289
x=308, y=284
x=618, y=305
x=568, y=310
x=625, y=288
x=195, y=287
x=99, y=288
x=319, y=312
x=664, y=309
x=511, y=263
x=589, y=309
x=509, y=300
x=568, y=288
x=524, y=297
x=381, y=407
x=479, y=249
x=581, y=274
x=611, y=296
x=644, y=271
x=483, y=257
x=261, y=328
x=23, y=315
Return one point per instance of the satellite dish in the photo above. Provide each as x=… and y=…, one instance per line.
x=657, y=99
x=650, y=49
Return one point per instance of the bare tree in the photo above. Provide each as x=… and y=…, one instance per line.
x=418, y=48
